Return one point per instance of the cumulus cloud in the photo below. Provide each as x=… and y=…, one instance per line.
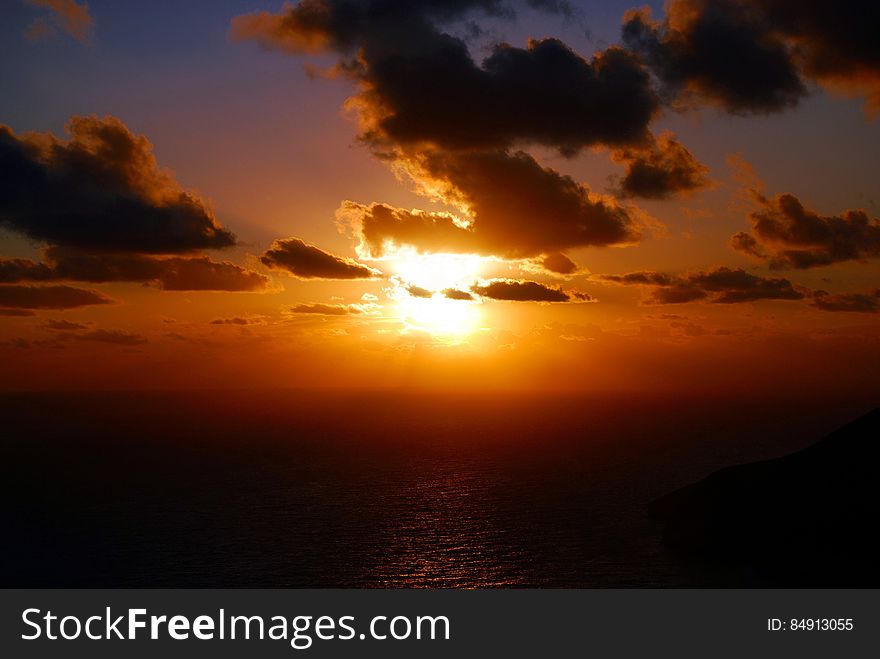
x=170, y=274
x=108, y=213
x=49, y=297
x=381, y=228
x=848, y=302
x=456, y=294
x=456, y=127
x=788, y=235
x=309, y=262
x=101, y=190
x=559, y=263
x=327, y=309
x=516, y=208
x=71, y=16
x=420, y=85
x=661, y=170
x=519, y=291
x=721, y=286
x=418, y=291
x=555, y=264
x=721, y=50
x=752, y=56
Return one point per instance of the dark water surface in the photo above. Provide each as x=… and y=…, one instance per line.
x=367, y=489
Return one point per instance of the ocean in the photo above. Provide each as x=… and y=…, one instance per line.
x=369, y=489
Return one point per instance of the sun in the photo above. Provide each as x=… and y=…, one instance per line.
x=420, y=291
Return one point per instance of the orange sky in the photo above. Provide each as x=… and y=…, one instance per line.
x=213, y=236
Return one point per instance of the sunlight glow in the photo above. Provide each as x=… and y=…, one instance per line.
x=437, y=315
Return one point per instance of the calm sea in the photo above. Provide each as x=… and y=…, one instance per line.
x=368, y=489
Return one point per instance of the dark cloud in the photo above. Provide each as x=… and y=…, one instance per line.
x=558, y=263
x=421, y=85
x=455, y=294
x=49, y=297
x=115, y=337
x=721, y=286
x=721, y=50
x=644, y=278
x=833, y=42
x=170, y=274
x=100, y=191
x=418, y=291
x=520, y=291
x=65, y=326
x=21, y=313
x=454, y=126
x=661, y=170
x=518, y=209
x=230, y=321
x=327, y=309
x=16, y=270
x=752, y=55
x=382, y=227
x=545, y=94
x=790, y=236
x=679, y=293
x=309, y=262
x=312, y=26
x=851, y=302
x=730, y=286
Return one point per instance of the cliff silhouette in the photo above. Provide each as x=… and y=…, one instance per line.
x=809, y=519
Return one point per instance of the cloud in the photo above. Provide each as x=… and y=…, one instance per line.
x=720, y=50
x=456, y=127
x=752, y=56
x=230, y=321
x=72, y=17
x=170, y=274
x=381, y=227
x=309, y=262
x=455, y=294
x=418, y=291
x=327, y=309
x=790, y=236
x=663, y=169
x=21, y=313
x=543, y=94
x=721, y=285
x=49, y=297
x=554, y=264
x=730, y=286
x=102, y=190
x=115, y=337
x=516, y=207
x=833, y=43
x=848, y=302
x=519, y=291
x=420, y=85
x=65, y=326
x=559, y=263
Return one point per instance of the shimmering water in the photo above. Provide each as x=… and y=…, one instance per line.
x=366, y=489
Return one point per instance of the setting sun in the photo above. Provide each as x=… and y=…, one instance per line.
x=431, y=292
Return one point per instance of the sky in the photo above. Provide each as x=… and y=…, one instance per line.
x=470, y=194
